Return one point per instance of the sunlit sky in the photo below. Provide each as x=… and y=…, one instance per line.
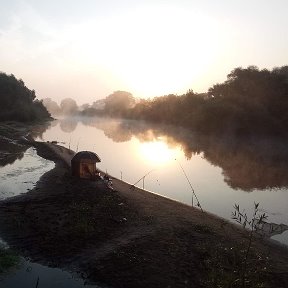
x=88, y=49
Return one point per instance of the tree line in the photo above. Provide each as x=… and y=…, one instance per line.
x=250, y=102
x=18, y=103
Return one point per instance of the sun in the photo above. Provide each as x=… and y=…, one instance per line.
x=168, y=54
x=161, y=59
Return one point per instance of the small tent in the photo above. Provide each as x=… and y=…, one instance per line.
x=83, y=164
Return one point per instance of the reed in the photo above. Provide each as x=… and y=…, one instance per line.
x=253, y=224
x=37, y=283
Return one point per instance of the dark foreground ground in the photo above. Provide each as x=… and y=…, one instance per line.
x=132, y=238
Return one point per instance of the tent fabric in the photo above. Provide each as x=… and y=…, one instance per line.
x=86, y=155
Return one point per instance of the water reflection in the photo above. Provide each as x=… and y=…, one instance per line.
x=68, y=125
x=251, y=164
x=158, y=152
x=246, y=164
x=11, y=154
x=220, y=170
x=23, y=174
x=117, y=130
x=37, y=131
x=28, y=274
x=13, y=142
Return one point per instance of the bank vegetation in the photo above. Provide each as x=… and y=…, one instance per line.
x=250, y=102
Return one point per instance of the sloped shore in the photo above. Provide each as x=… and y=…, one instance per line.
x=129, y=237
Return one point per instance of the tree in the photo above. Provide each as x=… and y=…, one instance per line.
x=257, y=100
x=52, y=106
x=250, y=102
x=68, y=106
x=18, y=102
x=118, y=102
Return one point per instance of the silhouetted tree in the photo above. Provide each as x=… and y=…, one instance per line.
x=257, y=100
x=19, y=103
x=249, y=102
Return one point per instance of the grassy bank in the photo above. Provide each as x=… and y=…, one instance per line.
x=8, y=259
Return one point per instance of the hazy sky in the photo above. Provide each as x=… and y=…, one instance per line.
x=87, y=49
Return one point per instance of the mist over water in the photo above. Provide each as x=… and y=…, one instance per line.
x=222, y=171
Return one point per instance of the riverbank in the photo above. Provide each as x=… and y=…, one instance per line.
x=129, y=237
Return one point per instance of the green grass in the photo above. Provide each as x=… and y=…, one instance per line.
x=8, y=259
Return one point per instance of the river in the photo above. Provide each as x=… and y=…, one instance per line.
x=21, y=176
x=222, y=172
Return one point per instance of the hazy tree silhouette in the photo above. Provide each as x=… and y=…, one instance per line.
x=118, y=103
x=68, y=106
x=53, y=108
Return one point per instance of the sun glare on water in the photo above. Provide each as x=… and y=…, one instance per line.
x=157, y=152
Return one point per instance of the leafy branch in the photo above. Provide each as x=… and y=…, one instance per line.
x=253, y=225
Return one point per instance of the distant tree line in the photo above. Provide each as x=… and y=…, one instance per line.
x=68, y=106
x=249, y=102
x=17, y=102
x=115, y=105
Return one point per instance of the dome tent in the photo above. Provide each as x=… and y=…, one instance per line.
x=83, y=164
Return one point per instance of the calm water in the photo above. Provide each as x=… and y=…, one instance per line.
x=17, y=178
x=27, y=273
x=21, y=175
x=222, y=172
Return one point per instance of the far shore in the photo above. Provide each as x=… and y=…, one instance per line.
x=130, y=237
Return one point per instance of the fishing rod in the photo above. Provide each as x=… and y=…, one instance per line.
x=142, y=178
x=78, y=144
x=193, y=191
x=69, y=142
